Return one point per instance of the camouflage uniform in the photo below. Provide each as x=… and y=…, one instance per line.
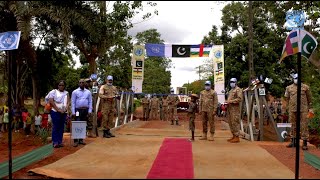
x=208, y=108
x=165, y=108
x=154, y=104
x=291, y=97
x=235, y=97
x=192, y=115
x=173, y=103
x=145, y=104
x=108, y=101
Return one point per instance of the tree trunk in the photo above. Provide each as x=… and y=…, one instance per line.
x=36, y=99
x=92, y=64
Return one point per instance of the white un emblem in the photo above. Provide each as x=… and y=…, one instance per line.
x=218, y=54
x=155, y=49
x=8, y=40
x=138, y=52
x=295, y=20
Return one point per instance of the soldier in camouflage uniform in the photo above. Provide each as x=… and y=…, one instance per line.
x=291, y=98
x=235, y=97
x=173, y=103
x=107, y=93
x=165, y=107
x=192, y=114
x=145, y=104
x=208, y=109
x=90, y=118
x=154, y=104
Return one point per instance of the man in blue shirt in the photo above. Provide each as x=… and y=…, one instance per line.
x=81, y=106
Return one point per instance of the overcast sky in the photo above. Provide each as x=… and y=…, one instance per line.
x=183, y=22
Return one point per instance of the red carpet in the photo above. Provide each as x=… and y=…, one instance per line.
x=174, y=160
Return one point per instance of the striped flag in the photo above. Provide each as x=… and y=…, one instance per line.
x=291, y=45
x=200, y=50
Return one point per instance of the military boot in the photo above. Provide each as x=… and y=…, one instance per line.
x=75, y=143
x=304, y=146
x=171, y=122
x=211, y=137
x=106, y=134
x=204, y=136
x=92, y=134
x=82, y=142
x=236, y=139
x=231, y=138
x=111, y=135
x=292, y=143
x=192, y=136
x=177, y=123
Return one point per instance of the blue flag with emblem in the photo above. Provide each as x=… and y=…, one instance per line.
x=9, y=40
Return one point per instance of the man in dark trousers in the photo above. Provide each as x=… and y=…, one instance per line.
x=81, y=106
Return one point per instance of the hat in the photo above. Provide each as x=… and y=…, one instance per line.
x=109, y=77
x=295, y=76
x=233, y=79
x=194, y=95
x=207, y=83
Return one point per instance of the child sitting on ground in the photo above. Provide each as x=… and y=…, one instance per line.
x=192, y=114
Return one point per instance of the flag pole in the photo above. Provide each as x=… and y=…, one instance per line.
x=9, y=61
x=298, y=117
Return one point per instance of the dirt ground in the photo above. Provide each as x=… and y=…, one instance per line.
x=22, y=144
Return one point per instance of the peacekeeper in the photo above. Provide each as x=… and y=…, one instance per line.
x=108, y=94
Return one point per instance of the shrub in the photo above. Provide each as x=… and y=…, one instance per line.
x=44, y=133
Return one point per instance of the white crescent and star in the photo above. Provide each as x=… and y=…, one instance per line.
x=282, y=134
x=181, y=53
x=305, y=48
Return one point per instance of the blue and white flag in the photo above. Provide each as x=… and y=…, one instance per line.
x=9, y=40
x=158, y=50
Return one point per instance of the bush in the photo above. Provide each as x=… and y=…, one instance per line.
x=44, y=133
x=314, y=123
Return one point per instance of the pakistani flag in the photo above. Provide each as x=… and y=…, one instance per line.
x=307, y=43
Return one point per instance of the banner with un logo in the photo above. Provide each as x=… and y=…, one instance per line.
x=9, y=40
x=138, y=67
x=217, y=56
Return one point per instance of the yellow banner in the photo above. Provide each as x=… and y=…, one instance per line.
x=217, y=55
x=137, y=64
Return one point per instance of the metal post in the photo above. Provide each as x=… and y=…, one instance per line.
x=132, y=106
x=95, y=112
x=127, y=108
x=119, y=110
x=298, y=118
x=9, y=61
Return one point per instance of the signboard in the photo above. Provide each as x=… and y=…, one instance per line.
x=9, y=40
x=217, y=56
x=295, y=20
x=94, y=89
x=284, y=129
x=262, y=92
x=137, y=67
x=78, y=130
x=94, y=77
